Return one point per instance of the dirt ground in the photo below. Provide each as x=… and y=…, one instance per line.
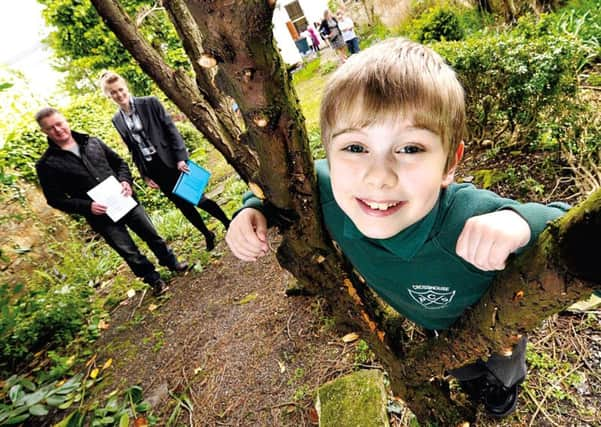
x=245, y=354
x=231, y=340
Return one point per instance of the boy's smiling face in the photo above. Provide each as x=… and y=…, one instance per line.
x=387, y=176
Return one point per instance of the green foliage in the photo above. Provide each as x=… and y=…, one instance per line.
x=431, y=20
x=521, y=85
x=559, y=374
x=594, y=79
x=24, y=146
x=118, y=410
x=307, y=71
x=26, y=399
x=373, y=34
x=58, y=303
x=84, y=46
x=363, y=354
x=194, y=140
x=21, y=151
x=181, y=402
x=39, y=318
x=439, y=24
x=511, y=82
x=317, y=149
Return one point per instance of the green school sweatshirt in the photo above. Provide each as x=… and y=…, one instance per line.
x=417, y=271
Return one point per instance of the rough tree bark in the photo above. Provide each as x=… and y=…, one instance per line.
x=230, y=46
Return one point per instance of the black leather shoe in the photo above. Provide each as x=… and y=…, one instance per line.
x=159, y=287
x=180, y=267
x=500, y=401
x=210, y=239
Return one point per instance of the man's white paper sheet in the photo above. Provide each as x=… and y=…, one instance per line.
x=108, y=193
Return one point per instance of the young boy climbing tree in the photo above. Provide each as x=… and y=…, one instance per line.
x=392, y=124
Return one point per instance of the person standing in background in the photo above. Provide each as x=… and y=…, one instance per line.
x=330, y=29
x=157, y=149
x=347, y=26
x=314, y=38
x=73, y=164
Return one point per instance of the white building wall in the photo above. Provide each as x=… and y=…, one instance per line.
x=313, y=10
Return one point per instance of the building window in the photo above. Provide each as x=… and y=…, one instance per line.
x=295, y=12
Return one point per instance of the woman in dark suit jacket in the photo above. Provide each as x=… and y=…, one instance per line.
x=330, y=29
x=157, y=148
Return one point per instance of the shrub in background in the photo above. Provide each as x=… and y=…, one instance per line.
x=512, y=82
x=439, y=24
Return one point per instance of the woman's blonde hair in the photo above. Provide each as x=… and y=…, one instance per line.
x=393, y=80
x=109, y=77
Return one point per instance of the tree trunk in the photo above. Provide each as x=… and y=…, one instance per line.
x=484, y=6
x=231, y=48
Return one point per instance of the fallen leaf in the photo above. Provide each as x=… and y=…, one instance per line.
x=131, y=293
x=91, y=360
x=152, y=307
x=103, y=325
x=248, y=298
x=94, y=373
x=353, y=336
x=313, y=416
x=107, y=364
x=282, y=367
x=256, y=190
x=141, y=422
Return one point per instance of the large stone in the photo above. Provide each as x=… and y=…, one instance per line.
x=355, y=400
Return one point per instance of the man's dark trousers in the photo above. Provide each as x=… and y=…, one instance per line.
x=117, y=236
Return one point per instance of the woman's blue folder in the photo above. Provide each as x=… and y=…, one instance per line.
x=191, y=186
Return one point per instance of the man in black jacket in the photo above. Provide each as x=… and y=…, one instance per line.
x=72, y=165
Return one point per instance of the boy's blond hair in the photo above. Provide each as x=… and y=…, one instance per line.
x=109, y=77
x=396, y=79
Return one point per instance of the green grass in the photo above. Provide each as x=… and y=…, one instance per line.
x=309, y=91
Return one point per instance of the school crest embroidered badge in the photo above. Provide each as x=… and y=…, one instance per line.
x=431, y=297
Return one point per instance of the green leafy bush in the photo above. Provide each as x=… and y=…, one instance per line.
x=37, y=319
x=57, y=304
x=511, y=81
x=369, y=35
x=439, y=24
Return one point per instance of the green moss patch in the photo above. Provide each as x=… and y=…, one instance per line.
x=358, y=399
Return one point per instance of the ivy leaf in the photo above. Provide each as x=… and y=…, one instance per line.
x=28, y=384
x=38, y=410
x=55, y=400
x=34, y=398
x=16, y=420
x=13, y=393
